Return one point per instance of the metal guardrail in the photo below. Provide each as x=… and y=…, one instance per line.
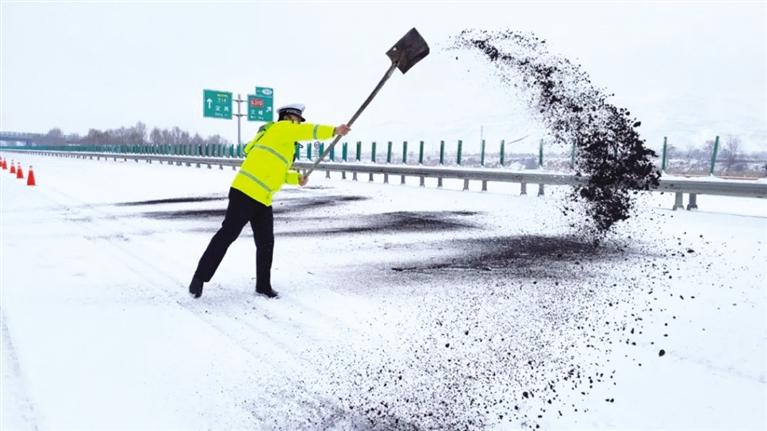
x=679, y=186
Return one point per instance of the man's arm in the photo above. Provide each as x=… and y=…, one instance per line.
x=312, y=132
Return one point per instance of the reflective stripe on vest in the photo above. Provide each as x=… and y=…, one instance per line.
x=314, y=132
x=253, y=178
x=272, y=151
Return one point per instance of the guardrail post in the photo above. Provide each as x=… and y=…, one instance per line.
x=523, y=190
x=388, y=160
x=372, y=158
x=482, y=155
x=343, y=157
x=572, y=156
x=441, y=152
x=693, y=203
x=441, y=160
x=540, y=189
x=357, y=158
x=404, y=158
x=678, y=201
x=713, y=156
x=484, y=185
x=503, y=148
x=420, y=162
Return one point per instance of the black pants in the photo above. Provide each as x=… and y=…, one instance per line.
x=242, y=209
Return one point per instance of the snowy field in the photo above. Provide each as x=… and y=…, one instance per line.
x=401, y=308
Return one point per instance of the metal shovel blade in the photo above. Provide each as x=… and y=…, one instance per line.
x=408, y=51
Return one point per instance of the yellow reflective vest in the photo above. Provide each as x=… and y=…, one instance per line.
x=269, y=157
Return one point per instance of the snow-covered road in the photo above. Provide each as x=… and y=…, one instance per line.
x=401, y=307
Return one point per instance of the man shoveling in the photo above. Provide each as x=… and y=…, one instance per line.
x=267, y=166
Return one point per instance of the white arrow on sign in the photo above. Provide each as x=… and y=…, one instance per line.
x=210, y=101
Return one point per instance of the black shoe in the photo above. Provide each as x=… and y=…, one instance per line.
x=195, y=288
x=269, y=293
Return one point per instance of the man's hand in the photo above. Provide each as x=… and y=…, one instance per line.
x=342, y=130
x=302, y=180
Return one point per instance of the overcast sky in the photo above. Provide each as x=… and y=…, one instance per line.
x=688, y=70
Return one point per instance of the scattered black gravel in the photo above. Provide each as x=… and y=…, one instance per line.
x=610, y=156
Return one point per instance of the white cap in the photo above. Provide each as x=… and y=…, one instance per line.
x=294, y=108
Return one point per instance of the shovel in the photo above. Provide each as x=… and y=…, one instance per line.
x=404, y=54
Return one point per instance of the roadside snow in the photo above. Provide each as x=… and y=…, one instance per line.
x=401, y=307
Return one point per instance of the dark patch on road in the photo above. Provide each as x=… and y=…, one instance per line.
x=305, y=203
x=186, y=214
x=282, y=207
x=392, y=222
x=534, y=255
x=173, y=201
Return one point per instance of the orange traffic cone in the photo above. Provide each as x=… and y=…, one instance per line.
x=31, y=177
x=19, y=173
x=13, y=168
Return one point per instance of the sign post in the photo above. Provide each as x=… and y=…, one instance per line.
x=239, y=115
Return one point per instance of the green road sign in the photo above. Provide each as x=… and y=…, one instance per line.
x=260, y=105
x=217, y=104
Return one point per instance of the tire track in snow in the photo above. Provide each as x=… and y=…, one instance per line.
x=11, y=370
